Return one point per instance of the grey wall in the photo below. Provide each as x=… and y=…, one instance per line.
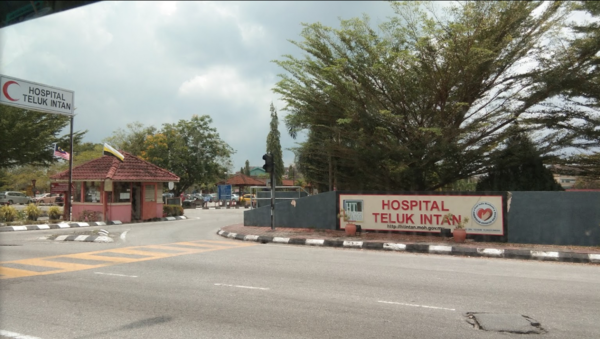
x=278, y=195
x=559, y=218
x=318, y=211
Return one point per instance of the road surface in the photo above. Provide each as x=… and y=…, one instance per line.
x=180, y=280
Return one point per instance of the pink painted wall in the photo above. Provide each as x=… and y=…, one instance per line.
x=119, y=212
x=79, y=208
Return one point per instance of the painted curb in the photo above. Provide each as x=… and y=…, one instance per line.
x=73, y=225
x=57, y=226
x=84, y=238
x=421, y=248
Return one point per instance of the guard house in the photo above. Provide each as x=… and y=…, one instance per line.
x=127, y=191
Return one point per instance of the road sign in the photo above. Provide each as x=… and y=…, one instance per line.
x=38, y=97
x=224, y=192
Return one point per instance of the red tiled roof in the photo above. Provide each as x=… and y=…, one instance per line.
x=109, y=167
x=243, y=180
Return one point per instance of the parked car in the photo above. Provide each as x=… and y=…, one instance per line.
x=46, y=198
x=235, y=197
x=12, y=197
x=247, y=199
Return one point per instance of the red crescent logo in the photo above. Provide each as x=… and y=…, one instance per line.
x=5, y=89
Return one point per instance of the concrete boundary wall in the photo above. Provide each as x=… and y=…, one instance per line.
x=554, y=218
x=550, y=218
x=316, y=211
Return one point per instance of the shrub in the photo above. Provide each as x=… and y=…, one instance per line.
x=8, y=213
x=54, y=213
x=33, y=212
x=172, y=210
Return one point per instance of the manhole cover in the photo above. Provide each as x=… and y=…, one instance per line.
x=512, y=323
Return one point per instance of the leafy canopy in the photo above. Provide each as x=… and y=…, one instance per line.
x=428, y=98
x=191, y=149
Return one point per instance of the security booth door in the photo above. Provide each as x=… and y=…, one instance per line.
x=149, y=201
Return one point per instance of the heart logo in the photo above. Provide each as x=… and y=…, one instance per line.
x=484, y=213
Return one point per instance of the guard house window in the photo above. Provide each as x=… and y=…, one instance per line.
x=122, y=191
x=77, y=192
x=92, y=191
x=149, y=195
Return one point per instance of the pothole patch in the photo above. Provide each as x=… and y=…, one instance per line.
x=499, y=322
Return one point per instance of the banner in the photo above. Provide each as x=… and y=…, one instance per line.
x=480, y=214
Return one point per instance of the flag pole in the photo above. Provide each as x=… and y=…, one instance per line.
x=67, y=212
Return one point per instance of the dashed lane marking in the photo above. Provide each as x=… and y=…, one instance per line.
x=415, y=305
x=124, y=255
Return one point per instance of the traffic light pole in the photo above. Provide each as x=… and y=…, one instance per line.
x=273, y=198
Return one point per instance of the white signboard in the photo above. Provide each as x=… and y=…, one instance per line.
x=34, y=96
x=424, y=213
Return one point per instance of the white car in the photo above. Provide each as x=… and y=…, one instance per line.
x=11, y=197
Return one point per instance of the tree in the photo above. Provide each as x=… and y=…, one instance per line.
x=247, y=168
x=518, y=167
x=430, y=98
x=27, y=137
x=274, y=146
x=131, y=140
x=192, y=150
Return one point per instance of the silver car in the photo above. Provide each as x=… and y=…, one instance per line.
x=11, y=197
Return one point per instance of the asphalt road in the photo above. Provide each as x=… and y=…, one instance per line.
x=180, y=280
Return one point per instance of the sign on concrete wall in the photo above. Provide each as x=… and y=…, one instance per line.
x=37, y=97
x=425, y=213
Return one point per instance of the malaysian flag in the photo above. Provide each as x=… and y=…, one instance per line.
x=59, y=152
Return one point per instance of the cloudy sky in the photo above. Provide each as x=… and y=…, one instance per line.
x=161, y=62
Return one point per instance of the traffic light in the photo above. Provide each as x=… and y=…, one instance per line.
x=268, y=166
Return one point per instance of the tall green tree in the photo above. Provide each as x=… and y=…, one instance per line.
x=247, y=168
x=274, y=145
x=27, y=137
x=425, y=100
x=132, y=139
x=192, y=150
x=518, y=167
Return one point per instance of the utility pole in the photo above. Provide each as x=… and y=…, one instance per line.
x=269, y=167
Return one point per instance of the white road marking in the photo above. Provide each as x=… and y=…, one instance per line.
x=353, y=244
x=240, y=286
x=281, y=240
x=19, y=228
x=123, y=235
x=315, y=242
x=44, y=227
x=251, y=237
x=594, y=257
x=439, y=248
x=63, y=225
x=542, y=254
x=16, y=335
x=61, y=237
x=490, y=251
x=117, y=275
x=415, y=305
x=394, y=247
x=82, y=224
x=81, y=237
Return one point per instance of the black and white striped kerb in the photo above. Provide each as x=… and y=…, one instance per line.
x=84, y=238
x=57, y=226
x=422, y=248
x=73, y=225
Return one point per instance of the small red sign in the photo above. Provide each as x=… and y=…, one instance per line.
x=61, y=187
